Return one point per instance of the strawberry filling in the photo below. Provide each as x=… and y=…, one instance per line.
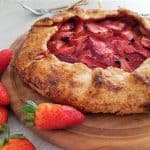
x=119, y=42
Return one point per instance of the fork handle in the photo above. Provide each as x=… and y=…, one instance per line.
x=59, y=8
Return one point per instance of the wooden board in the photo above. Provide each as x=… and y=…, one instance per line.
x=99, y=131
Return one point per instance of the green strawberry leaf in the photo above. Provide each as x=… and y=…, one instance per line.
x=5, y=128
x=28, y=120
x=31, y=103
x=28, y=108
x=2, y=142
x=30, y=116
x=17, y=136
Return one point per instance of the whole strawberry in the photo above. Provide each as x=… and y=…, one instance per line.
x=4, y=96
x=48, y=116
x=5, y=57
x=3, y=115
x=18, y=144
x=15, y=142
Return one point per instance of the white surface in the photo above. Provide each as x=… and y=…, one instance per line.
x=15, y=21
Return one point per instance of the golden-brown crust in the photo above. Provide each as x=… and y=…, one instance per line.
x=110, y=90
x=143, y=72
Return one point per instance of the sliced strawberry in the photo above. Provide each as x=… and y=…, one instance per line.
x=95, y=28
x=66, y=50
x=128, y=35
x=123, y=47
x=53, y=46
x=79, y=42
x=129, y=49
x=102, y=43
x=145, y=42
x=139, y=49
x=100, y=47
x=125, y=65
x=98, y=30
x=112, y=60
x=92, y=62
x=116, y=25
x=83, y=53
x=134, y=59
x=79, y=39
x=80, y=29
x=67, y=58
x=63, y=34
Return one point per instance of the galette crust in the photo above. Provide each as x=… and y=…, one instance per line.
x=110, y=90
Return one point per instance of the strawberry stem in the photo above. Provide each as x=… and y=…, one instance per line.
x=5, y=128
x=16, y=136
x=27, y=108
x=9, y=136
x=30, y=108
x=2, y=142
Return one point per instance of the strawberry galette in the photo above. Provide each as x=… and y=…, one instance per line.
x=94, y=60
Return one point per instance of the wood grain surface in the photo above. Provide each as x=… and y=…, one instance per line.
x=99, y=131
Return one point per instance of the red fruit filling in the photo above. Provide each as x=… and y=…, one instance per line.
x=120, y=42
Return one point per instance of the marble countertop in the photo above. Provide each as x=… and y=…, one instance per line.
x=14, y=21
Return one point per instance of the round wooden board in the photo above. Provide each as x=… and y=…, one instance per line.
x=99, y=131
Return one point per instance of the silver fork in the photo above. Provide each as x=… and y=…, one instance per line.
x=40, y=12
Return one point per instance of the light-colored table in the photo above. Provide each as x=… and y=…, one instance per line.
x=14, y=21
